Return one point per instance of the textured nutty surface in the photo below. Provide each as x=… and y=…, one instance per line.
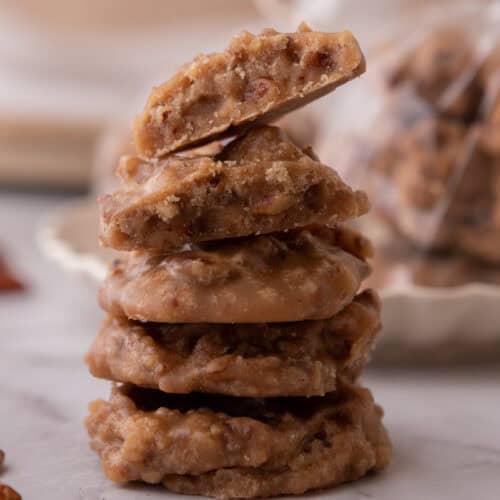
x=309, y=273
x=264, y=143
x=256, y=360
x=257, y=79
x=238, y=447
x=259, y=183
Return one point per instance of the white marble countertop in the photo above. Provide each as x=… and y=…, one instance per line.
x=445, y=424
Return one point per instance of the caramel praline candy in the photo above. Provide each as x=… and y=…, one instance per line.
x=238, y=447
x=309, y=273
x=305, y=358
x=257, y=79
x=259, y=183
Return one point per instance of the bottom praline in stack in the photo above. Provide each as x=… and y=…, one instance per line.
x=238, y=447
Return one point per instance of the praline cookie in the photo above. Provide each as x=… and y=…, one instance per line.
x=259, y=183
x=254, y=360
x=257, y=79
x=238, y=447
x=308, y=273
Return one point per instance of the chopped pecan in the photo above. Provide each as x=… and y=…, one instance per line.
x=7, y=281
x=7, y=493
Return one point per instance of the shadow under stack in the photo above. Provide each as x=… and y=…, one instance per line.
x=236, y=330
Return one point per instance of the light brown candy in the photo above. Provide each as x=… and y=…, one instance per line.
x=238, y=447
x=257, y=79
x=255, y=360
x=309, y=273
x=258, y=184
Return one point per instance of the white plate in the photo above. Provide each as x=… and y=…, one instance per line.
x=420, y=324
